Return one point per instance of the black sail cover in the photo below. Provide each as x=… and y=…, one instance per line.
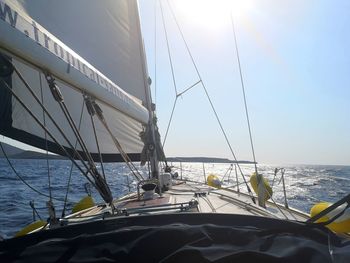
x=105, y=59
x=180, y=237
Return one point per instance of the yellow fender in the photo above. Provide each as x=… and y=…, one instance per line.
x=29, y=228
x=267, y=187
x=341, y=224
x=214, y=181
x=83, y=204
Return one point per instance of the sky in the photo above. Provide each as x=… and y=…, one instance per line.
x=295, y=58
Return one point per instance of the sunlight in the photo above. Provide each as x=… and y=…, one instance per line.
x=212, y=14
x=239, y=8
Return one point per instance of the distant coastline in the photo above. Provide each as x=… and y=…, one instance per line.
x=13, y=152
x=206, y=160
x=36, y=155
x=16, y=153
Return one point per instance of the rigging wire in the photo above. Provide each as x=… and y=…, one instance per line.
x=177, y=94
x=169, y=123
x=72, y=165
x=259, y=178
x=60, y=100
x=126, y=158
x=172, y=74
x=22, y=179
x=100, y=183
x=155, y=52
x=244, y=93
x=47, y=152
x=50, y=117
x=228, y=172
x=190, y=87
x=168, y=48
x=98, y=147
x=172, y=111
x=63, y=149
x=95, y=109
x=210, y=101
x=43, y=127
x=35, y=212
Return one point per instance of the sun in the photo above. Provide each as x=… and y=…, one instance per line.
x=211, y=13
x=240, y=8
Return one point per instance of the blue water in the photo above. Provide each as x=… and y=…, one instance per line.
x=305, y=186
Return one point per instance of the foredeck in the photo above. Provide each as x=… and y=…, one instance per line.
x=196, y=197
x=185, y=196
x=229, y=201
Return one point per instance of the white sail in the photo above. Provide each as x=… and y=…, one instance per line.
x=33, y=51
x=106, y=33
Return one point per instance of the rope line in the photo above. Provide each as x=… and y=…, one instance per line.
x=47, y=152
x=209, y=99
x=95, y=109
x=228, y=171
x=324, y=212
x=98, y=147
x=42, y=126
x=72, y=165
x=49, y=115
x=126, y=158
x=99, y=184
x=22, y=179
x=77, y=133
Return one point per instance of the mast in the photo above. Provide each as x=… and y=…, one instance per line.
x=149, y=105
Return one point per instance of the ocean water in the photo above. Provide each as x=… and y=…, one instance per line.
x=305, y=185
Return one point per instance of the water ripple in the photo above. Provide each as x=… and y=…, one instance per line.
x=305, y=185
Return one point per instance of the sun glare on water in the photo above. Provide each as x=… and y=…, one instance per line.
x=212, y=14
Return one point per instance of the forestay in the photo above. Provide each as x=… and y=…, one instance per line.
x=105, y=33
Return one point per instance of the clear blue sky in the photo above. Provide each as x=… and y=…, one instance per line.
x=295, y=57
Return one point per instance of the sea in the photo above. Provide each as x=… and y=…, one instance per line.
x=305, y=185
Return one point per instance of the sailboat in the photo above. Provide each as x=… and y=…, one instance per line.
x=88, y=98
